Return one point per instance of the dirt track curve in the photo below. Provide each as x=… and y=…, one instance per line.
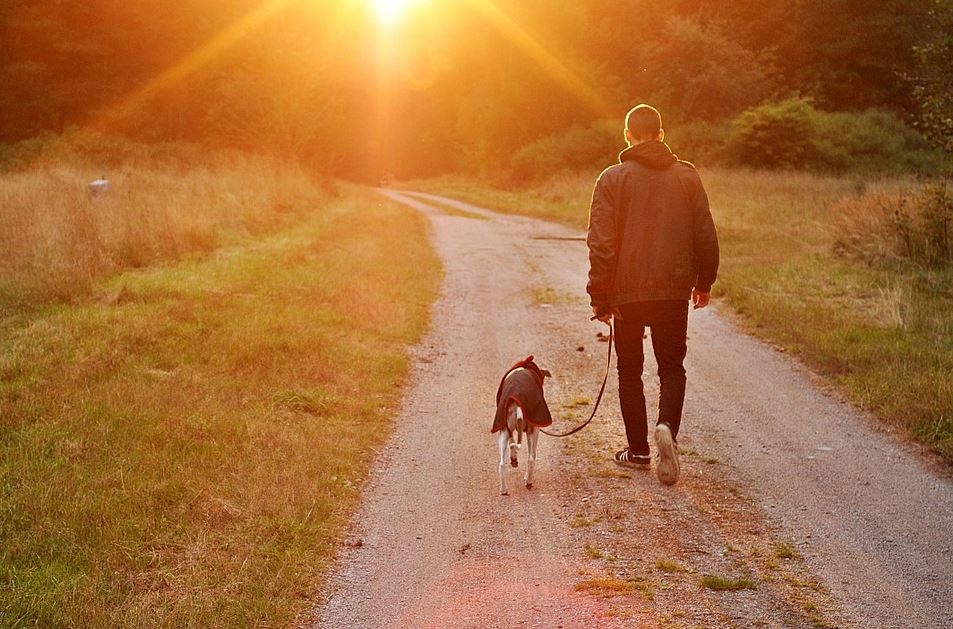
x=771, y=461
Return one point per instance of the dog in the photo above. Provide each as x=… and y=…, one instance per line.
x=520, y=409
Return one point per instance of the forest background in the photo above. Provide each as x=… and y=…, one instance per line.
x=510, y=89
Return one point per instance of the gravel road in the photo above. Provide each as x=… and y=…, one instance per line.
x=433, y=545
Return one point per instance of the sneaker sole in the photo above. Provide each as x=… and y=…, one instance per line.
x=668, y=459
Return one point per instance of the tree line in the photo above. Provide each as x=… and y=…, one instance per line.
x=458, y=84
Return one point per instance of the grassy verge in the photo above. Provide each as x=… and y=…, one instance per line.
x=182, y=446
x=882, y=332
x=165, y=203
x=563, y=199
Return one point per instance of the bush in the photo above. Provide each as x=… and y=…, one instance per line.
x=793, y=134
x=597, y=146
x=872, y=141
x=788, y=134
x=889, y=224
x=776, y=135
x=578, y=148
x=700, y=142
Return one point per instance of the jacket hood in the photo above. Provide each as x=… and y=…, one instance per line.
x=652, y=154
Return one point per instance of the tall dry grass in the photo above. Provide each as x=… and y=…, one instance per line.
x=57, y=238
x=911, y=222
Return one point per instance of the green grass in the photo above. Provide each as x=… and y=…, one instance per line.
x=882, y=333
x=542, y=202
x=553, y=297
x=723, y=584
x=607, y=472
x=783, y=551
x=184, y=446
x=670, y=567
x=580, y=521
x=608, y=586
x=593, y=552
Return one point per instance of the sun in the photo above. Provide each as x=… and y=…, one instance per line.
x=389, y=11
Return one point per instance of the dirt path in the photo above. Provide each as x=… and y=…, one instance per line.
x=790, y=495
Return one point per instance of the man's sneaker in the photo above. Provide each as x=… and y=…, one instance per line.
x=638, y=461
x=667, y=468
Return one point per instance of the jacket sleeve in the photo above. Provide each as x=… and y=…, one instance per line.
x=705, y=242
x=602, y=245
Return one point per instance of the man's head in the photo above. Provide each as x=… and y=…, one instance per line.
x=642, y=124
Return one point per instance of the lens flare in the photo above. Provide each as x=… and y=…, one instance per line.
x=389, y=11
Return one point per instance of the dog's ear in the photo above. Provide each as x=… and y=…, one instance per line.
x=545, y=373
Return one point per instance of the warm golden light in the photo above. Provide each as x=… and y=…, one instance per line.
x=389, y=11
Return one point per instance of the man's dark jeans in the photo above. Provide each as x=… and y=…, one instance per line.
x=668, y=322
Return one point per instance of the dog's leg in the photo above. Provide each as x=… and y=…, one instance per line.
x=504, y=441
x=532, y=438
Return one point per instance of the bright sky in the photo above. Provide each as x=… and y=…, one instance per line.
x=389, y=11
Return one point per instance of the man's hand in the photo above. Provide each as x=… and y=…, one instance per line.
x=700, y=299
x=601, y=315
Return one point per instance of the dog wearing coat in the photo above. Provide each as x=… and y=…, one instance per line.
x=520, y=409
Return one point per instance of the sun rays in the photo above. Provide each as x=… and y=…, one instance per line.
x=388, y=14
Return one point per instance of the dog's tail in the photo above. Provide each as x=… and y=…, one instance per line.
x=515, y=424
x=520, y=426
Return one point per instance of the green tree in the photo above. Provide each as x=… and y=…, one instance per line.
x=701, y=71
x=933, y=77
x=852, y=54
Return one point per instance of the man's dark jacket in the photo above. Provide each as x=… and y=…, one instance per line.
x=651, y=235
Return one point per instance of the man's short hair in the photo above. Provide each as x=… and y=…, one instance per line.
x=643, y=122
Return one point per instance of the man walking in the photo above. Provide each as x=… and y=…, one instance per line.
x=652, y=247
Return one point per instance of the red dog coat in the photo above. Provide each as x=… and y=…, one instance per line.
x=522, y=383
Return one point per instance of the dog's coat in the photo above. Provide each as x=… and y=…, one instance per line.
x=520, y=408
x=522, y=383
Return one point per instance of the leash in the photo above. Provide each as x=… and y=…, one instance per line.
x=595, y=407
